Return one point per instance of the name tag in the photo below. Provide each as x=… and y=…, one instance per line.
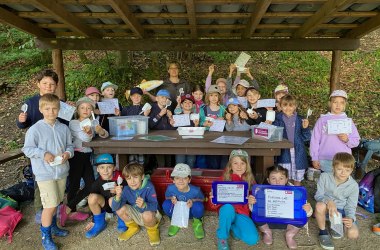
x=109, y=185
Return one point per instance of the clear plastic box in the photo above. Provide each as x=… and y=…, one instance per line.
x=268, y=134
x=128, y=125
x=191, y=130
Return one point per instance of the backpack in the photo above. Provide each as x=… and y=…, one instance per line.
x=369, y=191
x=7, y=201
x=9, y=218
x=19, y=192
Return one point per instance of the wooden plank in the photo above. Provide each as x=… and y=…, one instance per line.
x=257, y=14
x=8, y=156
x=59, y=69
x=365, y=28
x=329, y=8
x=311, y=44
x=191, y=16
x=335, y=70
x=19, y=23
x=62, y=15
x=122, y=9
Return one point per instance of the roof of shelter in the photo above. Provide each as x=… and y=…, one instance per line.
x=239, y=24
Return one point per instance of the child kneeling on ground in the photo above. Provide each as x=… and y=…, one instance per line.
x=337, y=192
x=137, y=205
x=181, y=190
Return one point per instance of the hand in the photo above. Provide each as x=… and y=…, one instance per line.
x=71, y=103
x=347, y=222
x=248, y=73
x=232, y=68
x=97, y=112
x=268, y=122
x=163, y=112
x=196, y=122
x=207, y=123
x=65, y=156
x=316, y=164
x=174, y=200
x=117, y=112
x=89, y=226
x=254, y=115
x=229, y=117
x=251, y=200
x=343, y=137
x=48, y=157
x=211, y=69
x=145, y=92
x=118, y=190
x=147, y=112
x=99, y=130
x=189, y=203
x=178, y=100
x=243, y=115
x=305, y=123
x=306, y=207
x=169, y=113
x=22, y=117
x=87, y=130
x=171, y=121
x=332, y=208
x=140, y=202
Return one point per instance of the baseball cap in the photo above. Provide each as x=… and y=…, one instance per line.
x=239, y=152
x=85, y=99
x=281, y=87
x=108, y=84
x=340, y=93
x=243, y=83
x=91, y=90
x=163, y=92
x=187, y=97
x=136, y=90
x=221, y=80
x=233, y=100
x=104, y=159
x=181, y=170
x=213, y=89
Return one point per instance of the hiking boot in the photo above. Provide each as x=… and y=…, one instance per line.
x=173, y=230
x=198, y=228
x=326, y=242
x=153, y=234
x=55, y=230
x=133, y=229
x=267, y=234
x=291, y=231
x=121, y=227
x=223, y=244
x=99, y=226
x=47, y=241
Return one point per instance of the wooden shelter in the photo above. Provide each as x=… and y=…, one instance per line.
x=194, y=25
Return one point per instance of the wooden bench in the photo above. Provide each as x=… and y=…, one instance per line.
x=8, y=156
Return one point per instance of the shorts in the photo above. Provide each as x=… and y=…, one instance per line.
x=52, y=192
x=136, y=215
x=326, y=166
x=294, y=173
x=106, y=208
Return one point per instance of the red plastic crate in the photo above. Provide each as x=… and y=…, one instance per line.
x=202, y=178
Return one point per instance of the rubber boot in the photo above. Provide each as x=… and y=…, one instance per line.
x=99, y=226
x=47, y=241
x=223, y=244
x=133, y=229
x=291, y=231
x=55, y=230
x=121, y=227
x=173, y=230
x=198, y=228
x=267, y=234
x=153, y=234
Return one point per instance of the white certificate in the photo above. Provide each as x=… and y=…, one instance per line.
x=106, y=108
x=230, y=193
x=339, y=126
x=66, y=111
x=263, y=103
x=181, y=212
x=218, y=125
x=279, y=203
x=109, y=185
x=242, y=60
x=181, y=120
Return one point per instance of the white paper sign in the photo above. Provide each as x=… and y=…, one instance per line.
x=263, y=103
x=180, y=217
x=242, y=60
x=106, y=108
x=218, y=125
x=279, y=203
x=194, y=116
x=109, y=185
x=66, y=111
x=181, y=120
x=115, y=101
x=339, y=126
x=230, y=193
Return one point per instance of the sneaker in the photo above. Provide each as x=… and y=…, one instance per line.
x=223, y=244
x=326, y=242
x=173, y=230
x=335, y=235
x=37, y=217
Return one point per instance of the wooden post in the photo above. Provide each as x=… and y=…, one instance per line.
x=335, y=69
x=58, y=68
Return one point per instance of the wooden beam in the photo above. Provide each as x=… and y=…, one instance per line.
x=190, y=7
x=329, y=8
x=14, y=154
x=201, y=44
x=19, y=23
x=59, y=69
x=122, y=9
x=62, y=15
x=365, y=28
x=335, y=70
x=257, y=14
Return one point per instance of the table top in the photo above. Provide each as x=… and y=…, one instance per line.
x=191, y=146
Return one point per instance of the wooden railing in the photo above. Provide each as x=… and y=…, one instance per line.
x=14, y=154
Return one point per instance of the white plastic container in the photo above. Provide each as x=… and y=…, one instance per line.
x=191, y=130
x=268, y=134
x=128, y=125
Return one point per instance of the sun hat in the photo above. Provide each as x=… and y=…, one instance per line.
x=233, y=101
x=243, y=83
x=163, y=92
x=239, y=152
x=107, y=85
x=104, y=159
x=85, y=99
x=221, y=80
x=340, y=93
x=213, y=89
x=91, y=90
x=187, y=97
x=281, y=87
x=181, y=170
x=136, y=90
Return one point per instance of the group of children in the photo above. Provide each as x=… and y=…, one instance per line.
x=57, y=154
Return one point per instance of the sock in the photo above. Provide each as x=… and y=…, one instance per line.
x=323, y=232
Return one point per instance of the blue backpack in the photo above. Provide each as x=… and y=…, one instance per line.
x=369, y=191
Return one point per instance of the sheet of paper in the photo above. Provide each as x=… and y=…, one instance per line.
x=242, y=60
x=66, y=111
x=86, y=122
x=279, y=203
x=181, y=120
x=180, y=216
x=263, y=103
x=109, y=185
x=231, y=140
x=194, y=116
x=230, y=192
x=218, y=125
x=106, y=108
x=115, y=102
x=339, y=126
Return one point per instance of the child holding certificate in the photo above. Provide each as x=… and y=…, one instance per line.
x=236, y=217
x=236, y=116
x=277, y=175
x=323, y=145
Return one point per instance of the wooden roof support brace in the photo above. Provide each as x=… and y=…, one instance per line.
x=335, y=70
x=59, y=69
x=258, y=13
x=365, y=28
x=190, y=7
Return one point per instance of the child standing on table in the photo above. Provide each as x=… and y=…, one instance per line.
x=324, y=146
x=108, y=91
x=45, y=141
x=296, y=130
x=277, y=175
x=236, y=116
x=182, y=190
x=235, y=218
x=136, y=204
x=337, y=192
x=80, y=164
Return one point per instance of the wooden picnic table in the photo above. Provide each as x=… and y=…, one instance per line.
x=263, y=151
